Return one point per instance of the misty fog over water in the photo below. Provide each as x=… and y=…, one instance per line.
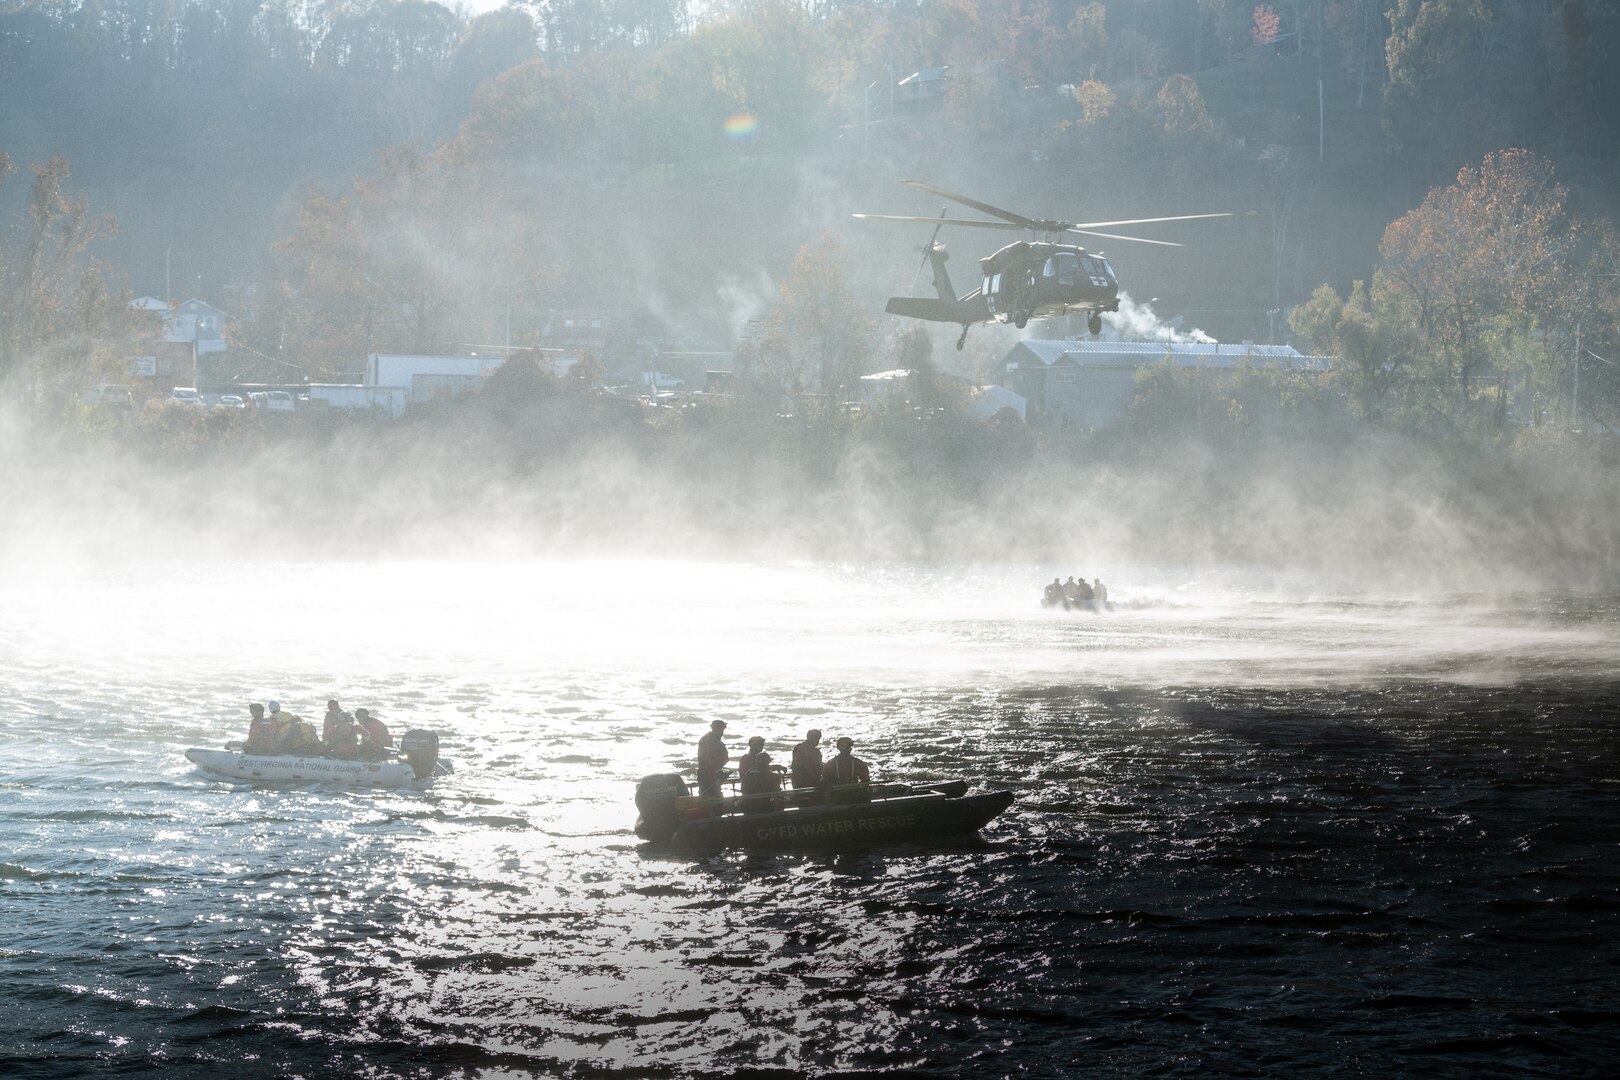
x=1383, y=515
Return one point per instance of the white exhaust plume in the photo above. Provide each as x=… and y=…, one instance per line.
x=1137, y=322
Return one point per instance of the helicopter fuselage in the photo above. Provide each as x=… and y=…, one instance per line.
x=1024, y=280
x=1035, y=280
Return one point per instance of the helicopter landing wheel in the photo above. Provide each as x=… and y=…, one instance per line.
x=1094, y=324
x=1020, y=320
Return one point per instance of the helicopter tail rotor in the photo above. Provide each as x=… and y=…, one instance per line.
x=928, y=250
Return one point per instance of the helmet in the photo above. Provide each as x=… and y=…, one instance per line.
x=273, y=705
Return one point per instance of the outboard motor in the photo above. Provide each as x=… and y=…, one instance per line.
x=421, y=749
x=655, y=805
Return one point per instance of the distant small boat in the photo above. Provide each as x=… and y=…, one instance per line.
x=417, y=763
x=811, y=819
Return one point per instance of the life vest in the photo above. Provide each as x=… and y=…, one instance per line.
x=342, y=739
x=756, y=773
x=331, y=722
x=301, y=738
x=261, y=736
x=375, y=733
x=846, y=769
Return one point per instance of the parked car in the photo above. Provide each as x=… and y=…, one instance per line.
x=278, y=401
x=186, y=395
x=232, y=401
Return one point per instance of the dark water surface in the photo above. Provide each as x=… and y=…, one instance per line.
x=1254, y=836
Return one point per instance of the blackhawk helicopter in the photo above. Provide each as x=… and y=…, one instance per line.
x=1029, y=279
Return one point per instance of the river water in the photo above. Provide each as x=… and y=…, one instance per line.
x=1257, y=832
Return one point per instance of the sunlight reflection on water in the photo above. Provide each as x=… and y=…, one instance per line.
x=1194, y=771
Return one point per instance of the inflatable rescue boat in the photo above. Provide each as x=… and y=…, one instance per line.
x=417, y=762
x=811, y=819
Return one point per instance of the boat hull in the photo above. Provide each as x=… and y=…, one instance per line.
x=271, y=768
x=920, y=818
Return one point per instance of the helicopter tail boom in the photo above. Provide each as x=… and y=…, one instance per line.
x=951, y=311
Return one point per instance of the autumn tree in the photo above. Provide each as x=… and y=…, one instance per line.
x=57, y=312
x=1482, y=260
x=322, y=317
x=1267, y=24
x=1096, y=101
x=1180, y=108
x=819, y=335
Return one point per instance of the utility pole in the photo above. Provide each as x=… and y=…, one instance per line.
x=1575, y=400
x=866, y=116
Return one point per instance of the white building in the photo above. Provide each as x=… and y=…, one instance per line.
x=1091, y=383
x=403, y=370
x=194, y=321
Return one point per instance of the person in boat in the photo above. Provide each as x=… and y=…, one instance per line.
x=758, y=776
x=375, y=739
x=261, y=737
x=297, y=737
x=807, y=760
x=1053, y=593
x=334, y=716
x=1100, y=591
x=712, y=758
x=1070, y=592
x=1082, y=591
x=342, y=738
x=844, y=770
x=280, y=719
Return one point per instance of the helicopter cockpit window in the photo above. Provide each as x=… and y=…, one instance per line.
x=1097, y=270
x=1049, y=270
x=1068, y=267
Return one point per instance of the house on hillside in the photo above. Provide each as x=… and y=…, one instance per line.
x=184, y=334
x=199, y=322
x=1090, y=384
x=921, y=89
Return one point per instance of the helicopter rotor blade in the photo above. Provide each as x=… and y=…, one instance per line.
x=927, y=250
x=994, y=211
x=1132, y=239
x=1082, y=226
x=945, y=221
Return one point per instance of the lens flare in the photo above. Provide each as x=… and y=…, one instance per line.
x=742, y=127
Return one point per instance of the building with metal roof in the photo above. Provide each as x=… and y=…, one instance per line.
x=1091, y=383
